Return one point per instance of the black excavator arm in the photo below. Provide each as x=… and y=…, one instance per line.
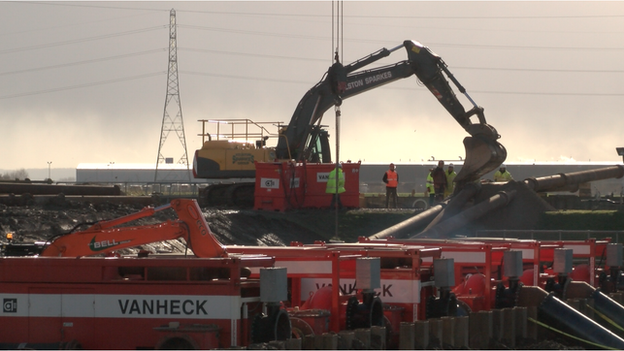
x=303, y=137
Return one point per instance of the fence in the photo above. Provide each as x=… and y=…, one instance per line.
x=616, y=235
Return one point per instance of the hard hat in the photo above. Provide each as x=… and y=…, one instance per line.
x=450, y=165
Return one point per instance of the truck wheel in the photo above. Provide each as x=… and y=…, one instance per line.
x=176, y=342
x=420, y=203
x=73, y=345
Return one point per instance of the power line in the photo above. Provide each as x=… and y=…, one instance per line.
x=282, y=57
x=283, y=35
x=258, y=79
x=292, y=15
x=90, y=5
x=84, y=62
x=545, y=70
x=273, y=80
x=78, y=86
x=251, y=32
x=81, y=40
x=290, y=58
x=230, y=76
x=255, y=55
x=463, y=46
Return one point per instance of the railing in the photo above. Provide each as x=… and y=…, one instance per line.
x=151, y=188
x=615, y=235
x=235, y=125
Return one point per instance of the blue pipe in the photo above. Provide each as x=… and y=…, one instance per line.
x=609, y=307
x=555, y=312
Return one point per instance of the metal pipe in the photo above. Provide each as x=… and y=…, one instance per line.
x=408, y=226
x=442, y=229
x=52, y=189
x=609, y=307
x=570, y=181
x=456, y=204
x=602, y=303
x=557, y=313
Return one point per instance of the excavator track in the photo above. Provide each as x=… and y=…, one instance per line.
x=240, y=195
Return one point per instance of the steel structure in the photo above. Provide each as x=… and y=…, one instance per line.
x=175, y=124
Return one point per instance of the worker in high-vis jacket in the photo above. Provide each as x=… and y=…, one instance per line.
x=391, y=178
x=450, y=180
x=502, y=175
x=335, y=188
x=430, y=191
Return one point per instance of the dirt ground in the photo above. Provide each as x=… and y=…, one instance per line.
x=249, y=227
x=231, y=227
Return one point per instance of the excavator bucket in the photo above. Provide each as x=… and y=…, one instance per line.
x=482, y=156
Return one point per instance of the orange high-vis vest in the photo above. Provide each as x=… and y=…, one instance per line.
x=392, y=179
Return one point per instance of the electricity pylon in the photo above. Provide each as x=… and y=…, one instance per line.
x=175, y=124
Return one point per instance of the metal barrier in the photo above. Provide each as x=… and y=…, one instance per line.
x=615, y=235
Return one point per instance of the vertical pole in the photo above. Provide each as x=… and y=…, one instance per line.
x=339, y=36
x=338, y=171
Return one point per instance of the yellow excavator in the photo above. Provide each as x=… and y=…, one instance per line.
x=304, y=138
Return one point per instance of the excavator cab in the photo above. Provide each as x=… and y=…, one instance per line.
x=318, y=149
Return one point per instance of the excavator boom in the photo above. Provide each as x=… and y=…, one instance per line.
x=106, y=237
x=483, y=152
x=305, y=139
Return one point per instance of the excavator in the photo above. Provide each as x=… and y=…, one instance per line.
x=305, y=140
x=104, y=237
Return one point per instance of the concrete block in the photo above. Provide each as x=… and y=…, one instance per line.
x=480, y=329
x=345, y=339
x=436, y=330
x=497, y=325
x=509, y=327
x=330, y=341
x=407, y=336
x=448, y=331
x=293, y=344
x=378, y=337
x=422, y=332
x=521, y=321
x=364, y=336
x=461, y=332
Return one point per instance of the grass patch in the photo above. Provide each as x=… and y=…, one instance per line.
x=582, y=220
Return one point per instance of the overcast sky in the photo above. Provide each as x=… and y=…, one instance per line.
x=86, y=82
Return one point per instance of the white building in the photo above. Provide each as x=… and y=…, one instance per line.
x=133, y=173
x=412, y=176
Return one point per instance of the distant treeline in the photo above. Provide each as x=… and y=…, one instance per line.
x=19, y=174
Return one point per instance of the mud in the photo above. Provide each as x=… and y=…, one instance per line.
x=231, y=227
x=59, y=216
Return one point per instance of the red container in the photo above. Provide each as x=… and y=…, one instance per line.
x=278, y=186
x=316, y=184
x=282, y=186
